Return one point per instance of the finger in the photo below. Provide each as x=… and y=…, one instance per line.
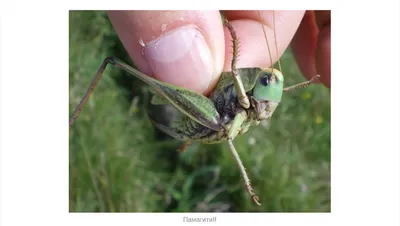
x=304, y=44
x=311, y=47
x=322, y=18
x=323, y=51
x=253, y=48
x=184, y=48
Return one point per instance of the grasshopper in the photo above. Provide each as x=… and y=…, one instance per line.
x=241, y=99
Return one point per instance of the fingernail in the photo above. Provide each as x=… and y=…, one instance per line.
x=181, y=57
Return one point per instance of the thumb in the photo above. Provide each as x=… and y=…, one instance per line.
x=184, y=48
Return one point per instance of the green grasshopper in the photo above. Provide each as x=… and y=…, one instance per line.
x=242, y=98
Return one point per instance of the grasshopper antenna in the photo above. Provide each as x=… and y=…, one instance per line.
x=276, y=43
x=266, y=39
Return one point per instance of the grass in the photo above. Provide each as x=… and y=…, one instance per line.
x=120, y=163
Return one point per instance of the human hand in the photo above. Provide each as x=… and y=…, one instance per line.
x=192, y=48
x=311, y=45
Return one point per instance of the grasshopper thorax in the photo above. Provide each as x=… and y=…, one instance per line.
x=267, y=92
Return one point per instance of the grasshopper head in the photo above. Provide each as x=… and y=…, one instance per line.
x=269, y=86
x=267, y=92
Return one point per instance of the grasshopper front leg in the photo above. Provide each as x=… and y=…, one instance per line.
x=232, y=132
x=243, y=99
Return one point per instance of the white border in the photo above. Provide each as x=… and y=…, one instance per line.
x=34, y=102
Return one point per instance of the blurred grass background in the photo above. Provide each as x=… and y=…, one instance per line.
x=120, y=163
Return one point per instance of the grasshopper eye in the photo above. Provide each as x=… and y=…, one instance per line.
x=265, y=79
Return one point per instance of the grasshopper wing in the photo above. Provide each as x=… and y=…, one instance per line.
x=194, y=105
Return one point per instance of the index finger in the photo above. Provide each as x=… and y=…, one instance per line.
x=253, y=48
